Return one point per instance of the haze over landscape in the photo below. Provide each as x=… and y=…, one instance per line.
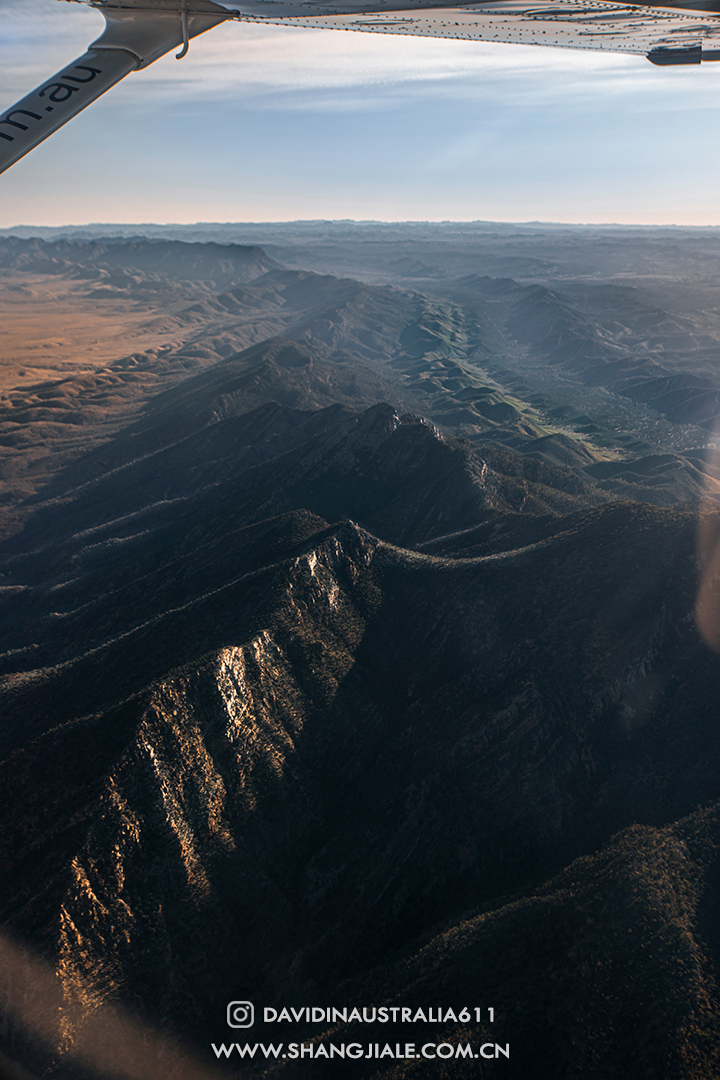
x=360, y=645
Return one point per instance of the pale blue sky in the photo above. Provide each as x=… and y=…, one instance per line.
x=273, y=124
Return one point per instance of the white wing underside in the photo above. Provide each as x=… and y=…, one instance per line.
x=592, y=25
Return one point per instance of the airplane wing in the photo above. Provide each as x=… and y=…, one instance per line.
x=665, y=35
x=138, y=32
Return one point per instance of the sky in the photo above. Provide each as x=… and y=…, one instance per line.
x=280, y=124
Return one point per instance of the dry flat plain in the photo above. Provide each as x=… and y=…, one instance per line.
x=52, y=327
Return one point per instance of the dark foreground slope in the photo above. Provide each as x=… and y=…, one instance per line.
x=314, y=708
x=606, y=970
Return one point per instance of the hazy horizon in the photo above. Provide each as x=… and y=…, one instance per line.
x=358, y=221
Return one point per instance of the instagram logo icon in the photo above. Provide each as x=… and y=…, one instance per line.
x=240, y=1014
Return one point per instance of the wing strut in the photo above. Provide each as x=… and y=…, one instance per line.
x=185, y=39
x=132, y=39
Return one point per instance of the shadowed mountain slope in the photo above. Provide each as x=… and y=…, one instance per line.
x=624, y=944
x=92, y=545
x=255, y=756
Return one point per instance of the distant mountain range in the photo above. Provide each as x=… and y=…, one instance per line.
x=349, y=657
